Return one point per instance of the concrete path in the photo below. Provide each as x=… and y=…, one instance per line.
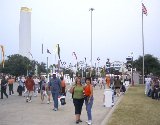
x=15, y=111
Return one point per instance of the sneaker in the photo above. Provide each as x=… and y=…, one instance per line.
x=27, y=99
x=89, y=122
x=80, y=120
x=48, y=102
x=30, y=101
x=55, y=109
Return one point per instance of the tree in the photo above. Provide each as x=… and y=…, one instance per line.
x=18, y=65
x=151, y=64
x=42, y=68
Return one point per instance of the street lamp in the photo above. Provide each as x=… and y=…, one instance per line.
x=107, y=66
x=132, y=70
x=98, y=59
x=81, y=63
x=63, y=66
x=91, y=9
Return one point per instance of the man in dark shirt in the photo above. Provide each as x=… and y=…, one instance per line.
x=3, y=87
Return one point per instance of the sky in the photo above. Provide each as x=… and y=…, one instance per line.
x=117, y=28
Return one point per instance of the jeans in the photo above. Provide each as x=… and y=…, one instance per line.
x=11, y=89
x=55, y=99
x=89, y=107
x=147, y=88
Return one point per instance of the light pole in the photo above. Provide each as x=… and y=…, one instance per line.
x=98, y=59
x=108, y=67
x=132, y=70
x=91, y=9
x=63, y=66
x=81, y=63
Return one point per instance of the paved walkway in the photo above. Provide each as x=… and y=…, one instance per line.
x=15, y=111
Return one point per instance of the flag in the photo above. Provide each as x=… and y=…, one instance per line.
x=58, y=50
x=144, y=10
x=74, y=55
x=48, y=51
x=30, y=54
x=3, y=60
x=42, y=48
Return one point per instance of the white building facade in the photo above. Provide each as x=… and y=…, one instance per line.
x=25, y=32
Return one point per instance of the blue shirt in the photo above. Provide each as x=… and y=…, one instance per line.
x=55, y=85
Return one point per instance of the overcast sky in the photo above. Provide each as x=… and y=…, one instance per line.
x=116, y=28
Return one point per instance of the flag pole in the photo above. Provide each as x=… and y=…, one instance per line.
x=47, y=70
x=143, y=48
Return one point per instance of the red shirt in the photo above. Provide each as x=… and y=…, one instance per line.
x=63, y=84
x=29, y=84
x=87, y=90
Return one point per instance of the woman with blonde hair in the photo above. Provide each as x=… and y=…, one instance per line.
x=78, y=98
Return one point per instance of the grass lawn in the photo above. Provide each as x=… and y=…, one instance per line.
x=136, y=109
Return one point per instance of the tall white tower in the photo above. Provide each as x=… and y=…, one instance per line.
x=25, y=32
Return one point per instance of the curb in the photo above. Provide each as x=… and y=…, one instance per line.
x=109, y=115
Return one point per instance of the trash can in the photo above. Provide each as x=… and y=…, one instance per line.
x=108, y=98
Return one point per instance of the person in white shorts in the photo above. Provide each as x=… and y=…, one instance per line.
x=43, y=89
x=36, y=87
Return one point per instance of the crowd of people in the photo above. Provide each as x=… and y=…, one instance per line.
x=32, y=85
x=82, y=92
x=152, y=87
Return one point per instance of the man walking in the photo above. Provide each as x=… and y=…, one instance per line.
x=55, y=86
x=10, y=84
x=3, y=87
x=30, y=87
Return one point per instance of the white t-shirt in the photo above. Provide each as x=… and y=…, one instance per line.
x=148, y=81
x=23, y=79
x=36, y=81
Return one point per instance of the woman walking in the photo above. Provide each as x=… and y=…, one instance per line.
x=36, y=86
x=88, y=91
x=20, y=87
x=78, y=98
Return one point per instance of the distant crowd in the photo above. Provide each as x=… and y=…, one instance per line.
x=152, y=87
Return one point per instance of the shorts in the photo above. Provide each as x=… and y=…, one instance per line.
x=48, y=92
x=43, y=93
x=117, y=87
x=29, y=93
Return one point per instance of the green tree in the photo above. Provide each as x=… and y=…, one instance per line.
x=16, y=65
x=42, y=68
x=151, y=64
